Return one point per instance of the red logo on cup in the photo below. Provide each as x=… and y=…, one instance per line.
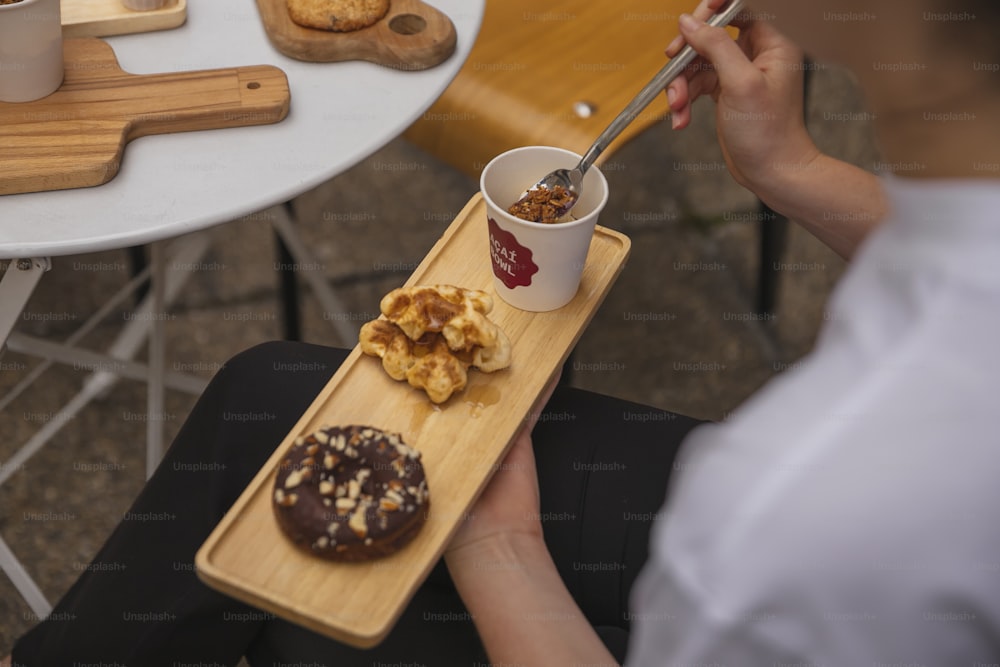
x=511, y=261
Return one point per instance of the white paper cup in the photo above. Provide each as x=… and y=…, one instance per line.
x=31, y=54
x=537, y=266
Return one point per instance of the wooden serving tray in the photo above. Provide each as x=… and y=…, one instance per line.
x=462, y=442
x=76, y=136
x=103, y=18
x=411, y=36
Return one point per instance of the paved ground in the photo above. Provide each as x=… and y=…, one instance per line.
x=676, y=332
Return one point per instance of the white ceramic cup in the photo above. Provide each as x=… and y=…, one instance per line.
x=538, y=266
x=31, y=54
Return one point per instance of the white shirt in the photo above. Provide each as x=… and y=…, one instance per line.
x=849, y=514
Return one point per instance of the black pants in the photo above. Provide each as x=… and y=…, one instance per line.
x=603, y=467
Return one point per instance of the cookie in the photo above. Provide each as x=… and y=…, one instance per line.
x=337, y=15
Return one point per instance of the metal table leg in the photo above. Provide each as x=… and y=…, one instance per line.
x=19, y=281
x=16, y=287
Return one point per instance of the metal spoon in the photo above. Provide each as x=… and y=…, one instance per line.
x=572, y=179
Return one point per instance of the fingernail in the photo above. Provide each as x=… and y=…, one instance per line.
x=674, y=122
x=675, y=44
x=671, y=96
x=689, y=22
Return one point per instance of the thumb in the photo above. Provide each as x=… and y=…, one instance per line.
x=717, y=47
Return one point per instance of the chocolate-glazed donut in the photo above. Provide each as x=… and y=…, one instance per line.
x=350, y=493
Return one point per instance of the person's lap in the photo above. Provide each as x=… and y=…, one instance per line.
x=603, y=466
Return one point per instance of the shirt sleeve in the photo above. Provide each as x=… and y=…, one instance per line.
x=670, y=628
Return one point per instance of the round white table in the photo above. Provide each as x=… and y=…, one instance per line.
x=177, y=183
x=171, y=185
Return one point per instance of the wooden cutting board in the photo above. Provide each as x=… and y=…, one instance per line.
x=76, y=136
x=411, y=36
x=462, y=443
x=102, y=18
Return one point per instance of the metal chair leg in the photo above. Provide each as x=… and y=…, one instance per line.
x=774, y=229
x=773, y=232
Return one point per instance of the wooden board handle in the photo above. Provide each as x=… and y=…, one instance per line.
x=413, y=35
x=172, y=102
x=209, y=100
